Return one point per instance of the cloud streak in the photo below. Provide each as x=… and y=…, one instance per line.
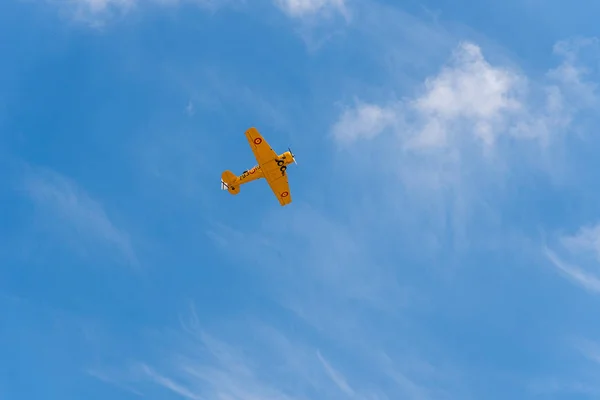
x=335, y=376
x=264, y=363
x=65, y=208
x=583, y=249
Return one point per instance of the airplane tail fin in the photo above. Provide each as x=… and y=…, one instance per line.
x=228, y=182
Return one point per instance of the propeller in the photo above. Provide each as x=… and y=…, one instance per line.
x=293, y=156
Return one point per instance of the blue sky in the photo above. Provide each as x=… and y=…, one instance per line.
x=444, y=236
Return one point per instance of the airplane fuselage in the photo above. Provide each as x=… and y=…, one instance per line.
x=256, y=172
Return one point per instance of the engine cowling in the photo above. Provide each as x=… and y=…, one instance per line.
x=287, y=157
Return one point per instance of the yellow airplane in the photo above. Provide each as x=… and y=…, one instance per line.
x=271, y=166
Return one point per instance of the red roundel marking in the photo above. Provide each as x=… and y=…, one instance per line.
x=257, y=140
x=284, y=194
x=252, y=171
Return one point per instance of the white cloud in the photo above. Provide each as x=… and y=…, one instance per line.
x=95, y=6
x=67, y=209
x=448, y=151
x=302, y=8
x=572, y=74
x=471, y=89
x=96, y=13
x=364, y=121
x=472, y=98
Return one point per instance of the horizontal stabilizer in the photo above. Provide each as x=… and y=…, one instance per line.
x=229, y=182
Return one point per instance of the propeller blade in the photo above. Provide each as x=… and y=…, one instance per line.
x=293, y=156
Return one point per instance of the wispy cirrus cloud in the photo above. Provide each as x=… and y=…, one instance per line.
x=581, y=376
x=335, y=376
x=331, y=276
x=267, y=362
x=65, y=209
x=577, y=257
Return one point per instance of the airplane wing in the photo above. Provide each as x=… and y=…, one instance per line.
x=261, y=149
x=281, y=188
x=267, y=160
